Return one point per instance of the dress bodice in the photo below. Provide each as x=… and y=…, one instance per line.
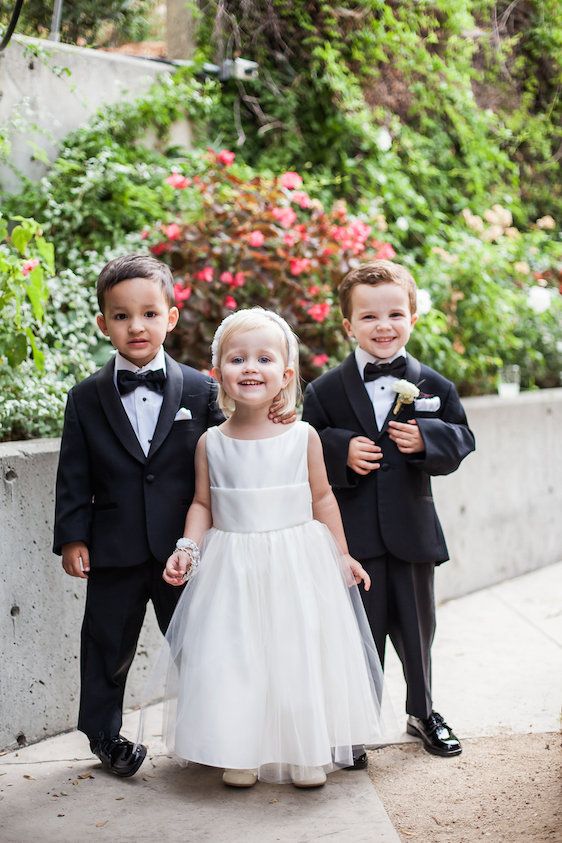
x=259, y=485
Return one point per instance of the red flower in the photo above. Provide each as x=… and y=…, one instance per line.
x=172, y=231
x=255, y=239
x=205, y=274
x=230, y=303
x=238, y=280
x=226, y=157
x=29, y=265
x=290, y=180
x=226, y=277
x=284, y=216
x=319, y=312
x=320, y=360
x=178, y=181
x=160, y=248
x=385, y=252
x=181, y=295
x=298, y=265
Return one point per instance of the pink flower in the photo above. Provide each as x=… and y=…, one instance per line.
x=298, y=265
x=256, y=239
x=145, y=233
x=205, y=274
x=29, y=265
x=178, y=181
x=172, y=231
x=238, y=280
x=290, y=180
x=284, y=216
x=181, y=295
x=226, y=157
x=314, y=290
x=301, y=198
x=230, y=303
x=385, y=252
x=320, y=360
x=319, y=312
x=290, y=238
x=226, y=277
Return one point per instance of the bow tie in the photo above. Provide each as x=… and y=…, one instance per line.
x=128, y=381
x=396, y=369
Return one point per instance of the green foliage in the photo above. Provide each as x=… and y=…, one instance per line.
x=107, y=181
x=85, y=21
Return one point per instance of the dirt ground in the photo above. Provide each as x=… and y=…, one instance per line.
x=506, y=788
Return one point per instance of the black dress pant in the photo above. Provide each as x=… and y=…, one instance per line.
x=401, y=604
x=116, y=602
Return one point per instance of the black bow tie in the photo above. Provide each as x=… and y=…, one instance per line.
x=397, y=369
x=128, y=381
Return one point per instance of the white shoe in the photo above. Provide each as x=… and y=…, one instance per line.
x=307, y=776
x=240, y=778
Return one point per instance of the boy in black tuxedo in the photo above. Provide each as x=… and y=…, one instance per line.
x=125, y=481
x=380, y=452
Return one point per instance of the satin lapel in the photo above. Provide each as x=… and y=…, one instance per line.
x=412, y=374
x=359, y=397
x=115, y=412
x=170, y=404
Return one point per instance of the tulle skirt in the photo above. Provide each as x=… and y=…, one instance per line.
x=269, y=662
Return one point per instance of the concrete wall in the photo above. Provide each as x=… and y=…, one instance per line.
x=37, y=91
x=500, y=511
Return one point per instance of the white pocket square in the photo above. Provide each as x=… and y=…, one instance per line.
x=427, y=405
x=182, y=414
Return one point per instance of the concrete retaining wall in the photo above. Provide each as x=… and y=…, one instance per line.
x=500, y=511
x=44, y=97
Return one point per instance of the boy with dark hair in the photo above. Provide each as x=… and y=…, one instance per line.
x=125, y=481
x=383, y=439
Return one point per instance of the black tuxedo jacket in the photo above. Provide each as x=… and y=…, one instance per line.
x=391, y=509
x=125, y=506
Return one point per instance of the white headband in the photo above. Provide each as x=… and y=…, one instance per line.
x=289, y=336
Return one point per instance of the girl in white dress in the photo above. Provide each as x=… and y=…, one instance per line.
x=272, y=672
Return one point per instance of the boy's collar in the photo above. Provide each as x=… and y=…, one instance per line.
x=363, y=357
x=157, y=362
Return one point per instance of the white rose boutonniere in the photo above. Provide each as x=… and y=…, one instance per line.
x=407, y=392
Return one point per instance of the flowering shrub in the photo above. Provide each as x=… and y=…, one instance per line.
x=41, y=356
x=237, y=240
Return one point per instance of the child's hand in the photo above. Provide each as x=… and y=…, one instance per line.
x=363, y=455
x=407, y=437
x=357, y=572
x=175, y=569
x=275, y=415
x=76, y=559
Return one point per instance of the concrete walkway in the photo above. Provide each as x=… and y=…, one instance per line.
x=498, y=669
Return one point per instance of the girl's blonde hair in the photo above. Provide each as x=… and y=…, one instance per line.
x=246, y=320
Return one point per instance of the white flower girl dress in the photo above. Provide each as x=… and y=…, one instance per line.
x=269, y=661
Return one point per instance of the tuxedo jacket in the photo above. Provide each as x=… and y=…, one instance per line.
x=391, y=509
x=125, y=506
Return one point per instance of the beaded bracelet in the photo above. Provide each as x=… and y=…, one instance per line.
x=192, y=549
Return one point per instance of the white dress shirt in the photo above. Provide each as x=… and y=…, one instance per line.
x=142, y=405
x=380, y=390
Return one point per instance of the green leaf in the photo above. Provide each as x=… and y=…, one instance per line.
x=20, y=238
x=38, y=356
x=16, y=349
x=47, y=252
x=37, y=291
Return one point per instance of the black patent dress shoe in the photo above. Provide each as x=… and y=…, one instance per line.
x=436, y=735
x=118, y=755
x=360, y=762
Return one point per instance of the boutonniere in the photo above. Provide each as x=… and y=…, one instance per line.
x=406, y=394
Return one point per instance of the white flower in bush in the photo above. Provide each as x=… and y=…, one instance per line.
x=384, y=140
x=538, y=299
x=424, y=302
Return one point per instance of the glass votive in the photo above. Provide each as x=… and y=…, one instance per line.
x=509, y=381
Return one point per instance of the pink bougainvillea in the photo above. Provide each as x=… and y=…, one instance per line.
x=286, y=217
x=226, y=157
x=320, y=311
x=172, y=231
x=230, y=303
x=29, y=265
x=320, y=360
x=178, y=181
x=298, y=265
x=181, y=295
x=255, y=239
x=290, y=180
x=205, y=274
